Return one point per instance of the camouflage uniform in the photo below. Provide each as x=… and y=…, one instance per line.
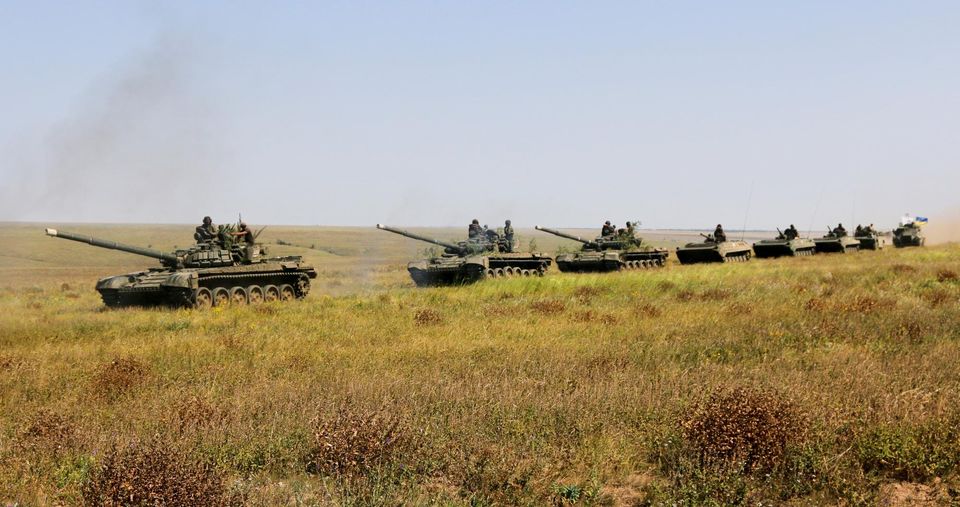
x=791, y=232
x=839, y=231
x=718, y=235
x=508, y=235
x=608, y=230
x=206, y=231
x=474, y=230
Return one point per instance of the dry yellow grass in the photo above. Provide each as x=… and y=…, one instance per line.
x=564, y=389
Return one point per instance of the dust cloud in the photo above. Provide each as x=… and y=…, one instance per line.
x=943, y=228
x=141, y=148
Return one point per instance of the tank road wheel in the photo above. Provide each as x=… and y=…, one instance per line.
x=221, y=297
x=255, y=294
x=491, y=273
x=203, y=299
x=287, y=293
x=498, y=272
x=238, y=296
x=526, y=272
x=271, y=293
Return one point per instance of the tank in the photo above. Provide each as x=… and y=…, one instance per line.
x=608, y=253
x=836, y=243
x=908, y=235
x=710, y=250
x=487, y=256
x=214, y=273
x=780, y=246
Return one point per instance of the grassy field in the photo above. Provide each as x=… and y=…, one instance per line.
x=809, y=381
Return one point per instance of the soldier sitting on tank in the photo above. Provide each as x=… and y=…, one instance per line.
x=718, y=235
x=791, y=233
x=474, y=230
x=508, y=235
x=858, y=232
x=608, y=229
x=869, y=230
x=205, y=232
x=839, y=231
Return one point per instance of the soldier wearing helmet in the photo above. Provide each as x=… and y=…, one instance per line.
x=508, y=235
x=474, y=230
x=608, y=229
x=206, y=231
x=791, y=232
x=718, y=235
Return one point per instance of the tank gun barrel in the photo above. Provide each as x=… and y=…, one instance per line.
x=411, y=235
x=563, y=235
x=113, y=245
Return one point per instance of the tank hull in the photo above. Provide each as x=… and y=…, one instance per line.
x=726, y=251
x=837, y=245
x=769, y=248
x=872, y=242
x=201, y=287
x=456, y=270
x=610, y=260
x=905, y=236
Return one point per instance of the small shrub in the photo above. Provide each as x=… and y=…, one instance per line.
x=155, y=474
x=548, y=307
x=50, y=431
x=648, y=310
x=714, y=294
x=815, y=304
x=902, y=268
x=427, y=317
x=586, y=294
x=192, y=413
x=745, y=427
x=946, y=275
x=352, y=443
x=118, y=376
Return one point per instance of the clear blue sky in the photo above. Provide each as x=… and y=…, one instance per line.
x=433, y=113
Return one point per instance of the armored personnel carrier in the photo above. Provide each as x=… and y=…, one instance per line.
x=213, y=273
x=710, y=250
x=608, y=253
x=871, y=240
x=908, y=235
x=783, y=247
x=486, y=256
x=832, y=242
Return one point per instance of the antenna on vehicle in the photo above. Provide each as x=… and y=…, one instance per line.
x=814, y=216
x=746, y=213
